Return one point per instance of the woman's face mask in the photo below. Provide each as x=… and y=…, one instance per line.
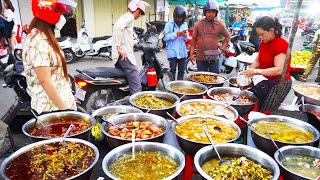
x=62, y=21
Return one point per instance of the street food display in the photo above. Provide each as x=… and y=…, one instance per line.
x=185, y=89
x=283, y=131
x=51, y=161
x=239, y=168
x=307, y=166
x=310, y=91
x=229, y=98
x=58, y=127
x=143, y=166
x=193, y=130
x=300, y=59
x=150, y=101
x=143, y=129
x=198, y=108
x=206, y=78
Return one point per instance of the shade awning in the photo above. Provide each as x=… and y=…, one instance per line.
x=194, y=2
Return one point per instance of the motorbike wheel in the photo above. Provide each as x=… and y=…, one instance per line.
x=167, y=77
x=69, y=55
x=18, y=54
x=190, y=67
x=79, y=54
x=98, y=98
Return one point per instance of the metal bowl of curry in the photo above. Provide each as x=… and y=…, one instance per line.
x=50, y=159
x=247, y=160
x=206, y=107
x=284, y=131
x=190, y=132
x=207, y=78
x=310, y=92
x=242, y=101
x=188, y=89
x=54, y=125
x=147, y=127
x=159, y=102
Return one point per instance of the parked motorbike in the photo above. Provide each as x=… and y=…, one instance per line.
x=139, y=36
x=99, y=46
x=103, y=85
x=65, y=44
x=308, y=31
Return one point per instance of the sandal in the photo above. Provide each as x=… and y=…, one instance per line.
x=302, y=78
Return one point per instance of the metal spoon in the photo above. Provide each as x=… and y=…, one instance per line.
x=120, y=126
x=150, y=108
x=37, y=119
x=302, y=100
x=66, y=134
x=255, y=129
x=221, y=162
x=174, y=119
x=133, y=143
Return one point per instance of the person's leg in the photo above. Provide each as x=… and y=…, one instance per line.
x=215, y=66
x=181, y=68
x=12, y=42
x=173, y=66
x=132, y=75
x=312, y=62
x=317, y=56
x=202, y=65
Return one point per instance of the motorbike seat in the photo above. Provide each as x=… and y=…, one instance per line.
x=60, y=39
x=105, y=72
x=100, y=38
x=246, y=43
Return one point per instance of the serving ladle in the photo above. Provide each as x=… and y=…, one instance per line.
x=255, y=129
x=66, y=134
x=37, y=119
x=174, y=119
x=133, y=143
x=221, y=162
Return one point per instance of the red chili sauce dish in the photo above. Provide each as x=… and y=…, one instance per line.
x=58, y=127
x=51, y=161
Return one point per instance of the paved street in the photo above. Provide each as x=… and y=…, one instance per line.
x=7, y=96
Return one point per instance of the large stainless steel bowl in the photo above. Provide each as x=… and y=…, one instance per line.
x=232, y=81
x=114, y=141
x=241, y=108
x=266, y=145
x=208, y=101
x=162, y=95
x=313, y=114
x=56, y=116
x=83, y=175
x=171, y=151
x=295, y=150
x=115, y=109
x=191, y=147
x=188, y=84
x=307, y=99
x=235, y=150
x=219, y=84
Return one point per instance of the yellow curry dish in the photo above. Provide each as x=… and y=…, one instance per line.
x=193, y=130
x=206, y=78
x=185, y=89
x=149, y=100
x=283, y=131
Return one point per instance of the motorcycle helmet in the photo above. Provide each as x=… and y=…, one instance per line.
x=211, y=5
x=142, y=5
x=50, y=10
x=179, y=11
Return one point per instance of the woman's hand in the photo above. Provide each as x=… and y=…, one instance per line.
x=251, y=72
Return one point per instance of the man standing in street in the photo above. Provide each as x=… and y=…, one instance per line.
x=206, y=34
x=176, y=34
x=122, y=43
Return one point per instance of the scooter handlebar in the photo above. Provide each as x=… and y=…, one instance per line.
x=147, y=47
x=79, y=71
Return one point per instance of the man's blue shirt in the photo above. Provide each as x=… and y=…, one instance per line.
x=176, y=47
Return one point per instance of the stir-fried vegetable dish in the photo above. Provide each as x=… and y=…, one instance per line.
x=58, y=127
x=238, y=169
x=283, y=131
x=146, y=165
x=304, y=165
x=206, y=78
x=204, y=108
x=143, y=129
x=149, y=100
x=51, y=161
x=311, y=91
x=186, y=89
x=194, y=130
x=229, y=98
